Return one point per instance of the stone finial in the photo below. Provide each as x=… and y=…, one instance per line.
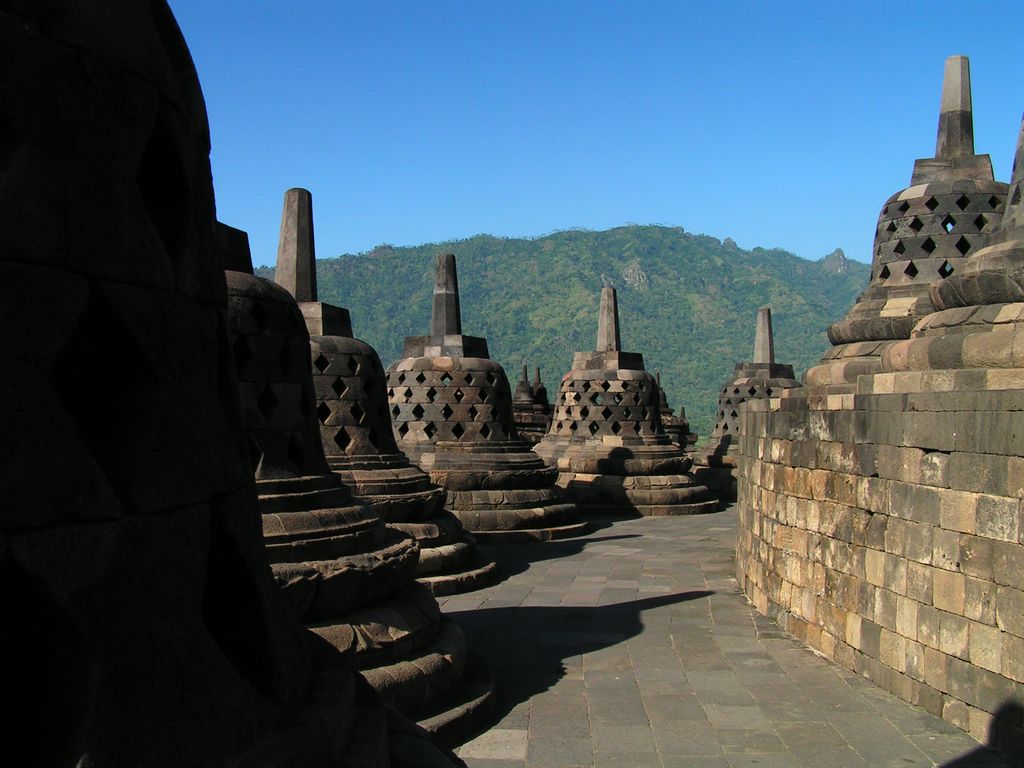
x=525, y=379
x=536, y=380
x=446, y=318
x=764, y=340
x=1013, y=219
x=956, y=120
x=608, y=321
x=657, y=377
x=296, y=256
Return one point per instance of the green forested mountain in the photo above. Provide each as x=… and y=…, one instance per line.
x=687, y=302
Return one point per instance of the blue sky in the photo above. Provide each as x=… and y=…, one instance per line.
x=779, y=124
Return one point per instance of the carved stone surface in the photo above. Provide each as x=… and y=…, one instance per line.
x=451, y=409
x=606, y=438
x=348, y=576
x=882, y=526
x=760, y=378
x=142, y=626
x=350, y=393
x=531, y=409
x=925, y=233
x=676, y=427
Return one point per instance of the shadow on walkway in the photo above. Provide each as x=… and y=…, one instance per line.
x=513, y=559
x=530, y=648
x=1005, y=745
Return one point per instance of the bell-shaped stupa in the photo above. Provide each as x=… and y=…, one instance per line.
x=925, y=233
x=451, y=408
x=979, y=322
x=676, y=427
x=348, y=576
x=606, y=436
x=531, y=409
x=760, y=378
x=355, y=423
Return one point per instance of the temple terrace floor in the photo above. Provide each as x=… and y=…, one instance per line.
x=632, y=646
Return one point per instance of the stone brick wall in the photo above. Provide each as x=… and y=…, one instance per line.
x=884, y=528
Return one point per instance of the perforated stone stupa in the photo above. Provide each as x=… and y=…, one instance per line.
x=451, y=408
x=924, y=234
x=676, y=427
x=606, y=436
x=347, y=575
x=355, y=423
x=142, y=626
x=758, y=379
x=531, y=409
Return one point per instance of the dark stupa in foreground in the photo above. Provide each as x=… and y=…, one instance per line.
x=355, y=423
x=142, y=625
x=451, y=407
x=606, y=436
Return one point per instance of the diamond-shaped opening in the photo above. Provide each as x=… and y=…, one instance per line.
x=321, y=363
x=341, y=439
x=485, y=431
x=1015, y=197
x=980, y=221
x=391, y=393
x=643, y=414
x=728, y=401
x=418, y=411
x=643, y=386
x=605, y=385
x=558, y=425
x=473, y=412
x=884, y=273
x=948, y=222
x=899, y=247
x=446, y=378
x=458, y=430
x=267, y=402
x=431, y=394
x=584, y=412
x=407, y=394
x=891, y=226
x=993, y=202
x=617, y=398
x=963, y=245
x=421, y=377
x=903, y=207
x=243, y=354
x=458, y=395
x=725, y=427
x=606, y=413
x=734, y=414
x=910, y=270
x=358, y=413
x=401, y=378
x=586, y=386
x=962, y=202
x=576, y=396
x=260, y=315
x=915, y=224
x=593, y=428
x=403, y=428
x=616, y=427
x=625, y=386
x=573, y=426
x=736, y=390
x=636, y=427
x=928, y=246
x=430, y=429
x=491, y=379
x=626, y=412
x=931, y=203
x=752, y=391
x=339, y=386
x=323, y=412
x=447, y=411
x=946, y=269
x=768, y=391
x=353, y=365
x=396, y=411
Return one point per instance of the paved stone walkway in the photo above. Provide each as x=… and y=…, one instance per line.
x=633, y=647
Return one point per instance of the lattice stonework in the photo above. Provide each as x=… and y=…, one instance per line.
x=462, y=405
x=353, y=422
x=605, y=405
x=924, y=232
x=729, y=403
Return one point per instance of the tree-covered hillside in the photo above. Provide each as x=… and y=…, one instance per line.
x=687, y=302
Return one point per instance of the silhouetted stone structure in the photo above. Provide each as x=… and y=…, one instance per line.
x=606, y=436
x=676, y=427
x=531, y=409
x=451, y=408
x=924, y=234
x=883, y=526
x=347, y=575
x=758, y=379
x=355, y=423
x=142, y=626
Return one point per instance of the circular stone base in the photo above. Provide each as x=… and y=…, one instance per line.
x=477, y=575
x=468, y=711
x=647, y=495
x=533, y=534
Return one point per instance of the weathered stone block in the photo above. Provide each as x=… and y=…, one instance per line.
x=953, y=635
x=986, y=647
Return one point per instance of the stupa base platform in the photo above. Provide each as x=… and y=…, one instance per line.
x=468, y=711
x=533, y=534
x=477, y=575
x=648, y=496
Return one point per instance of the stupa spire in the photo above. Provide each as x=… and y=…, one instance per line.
x=764, y=339
x=446, y=317
x=956, y=118
x=296, y=256
x=608, y=322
